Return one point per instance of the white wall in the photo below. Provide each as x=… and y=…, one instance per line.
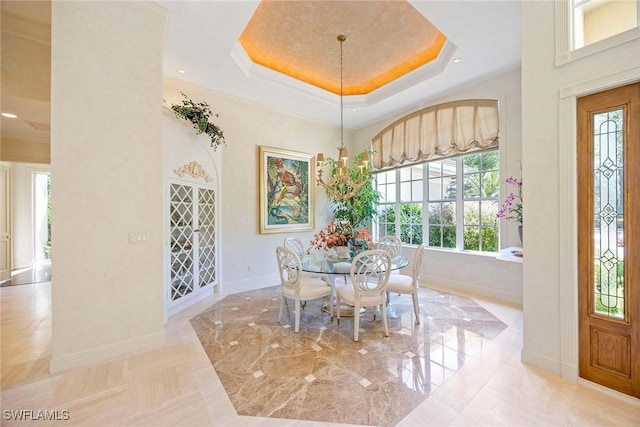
x=106, y=164
x=22, y=207
x=481, y=274
x=550, y=319
x=248, y=257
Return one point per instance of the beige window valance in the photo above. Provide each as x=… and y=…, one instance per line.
x=441, y=130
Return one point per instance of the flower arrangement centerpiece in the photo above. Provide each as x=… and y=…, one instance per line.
x=199, y=114
x=511, y=209
x=336, y=235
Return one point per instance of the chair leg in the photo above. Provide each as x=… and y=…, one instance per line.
x=330, y=302
x=384, y=319
x=297, y=325
x=282, y=301
x=338, y=307
x=356, y=321
x=416, y=307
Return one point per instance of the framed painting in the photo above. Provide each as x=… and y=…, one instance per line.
x=286, y=195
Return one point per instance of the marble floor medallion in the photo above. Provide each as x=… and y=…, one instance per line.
x=321, y=374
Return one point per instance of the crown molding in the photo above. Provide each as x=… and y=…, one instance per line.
x=420, y=74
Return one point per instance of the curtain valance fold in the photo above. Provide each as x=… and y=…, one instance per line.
x=438, y=131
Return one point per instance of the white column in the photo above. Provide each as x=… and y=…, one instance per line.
x=106, y=163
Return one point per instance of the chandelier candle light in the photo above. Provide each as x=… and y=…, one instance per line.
x=344, y=184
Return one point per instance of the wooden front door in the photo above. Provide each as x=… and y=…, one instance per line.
x=609, y=238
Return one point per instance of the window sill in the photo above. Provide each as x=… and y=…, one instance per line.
x=508, y=254
x=479, y=254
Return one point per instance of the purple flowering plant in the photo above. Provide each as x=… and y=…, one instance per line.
x=511, y=209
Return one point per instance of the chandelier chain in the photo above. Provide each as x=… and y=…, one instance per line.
x=341, y=95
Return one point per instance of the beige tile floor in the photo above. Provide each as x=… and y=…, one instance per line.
x=176, y=385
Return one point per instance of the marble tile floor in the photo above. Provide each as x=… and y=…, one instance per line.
x=177, y=385
x=269, y=370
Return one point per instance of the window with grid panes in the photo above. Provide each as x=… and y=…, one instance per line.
x=446, y=203
x=386, y=185
x=442, y=193
x=411, y=198
x=481, y=197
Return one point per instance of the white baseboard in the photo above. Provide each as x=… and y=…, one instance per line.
x=189, y=300
x=249, y=284
x=469, y=288
x=111, y=351
x=570, y=372
x=541, y=362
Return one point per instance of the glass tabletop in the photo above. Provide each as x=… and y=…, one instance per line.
x=317, y=263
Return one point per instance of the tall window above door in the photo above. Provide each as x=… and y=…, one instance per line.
x=586, y=27
x=595, y=20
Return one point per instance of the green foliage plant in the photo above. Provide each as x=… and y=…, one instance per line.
x=410, y=220
x=199, y=114
x=359, y=210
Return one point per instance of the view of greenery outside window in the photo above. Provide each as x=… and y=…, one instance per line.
x=411, y=196
x=429, y=205
x=386, y=185
x=442, y=195
x=481, y=197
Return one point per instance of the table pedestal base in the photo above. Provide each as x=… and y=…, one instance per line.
x=345, y=310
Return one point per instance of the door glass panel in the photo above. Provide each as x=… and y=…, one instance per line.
x=608, y=148
x=207, y=241
x=182, y=281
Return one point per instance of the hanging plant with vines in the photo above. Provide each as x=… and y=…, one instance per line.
x=199, y=113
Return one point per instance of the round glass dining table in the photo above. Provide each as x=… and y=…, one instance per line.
x=334, y=267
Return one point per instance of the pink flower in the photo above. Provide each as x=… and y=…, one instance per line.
x=511, y=209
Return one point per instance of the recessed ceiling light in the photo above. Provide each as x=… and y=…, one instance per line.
x=9, y=115
x=181, y=71
x=354, y=109
x=457, y=60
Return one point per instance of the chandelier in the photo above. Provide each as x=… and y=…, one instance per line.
x=345, y=182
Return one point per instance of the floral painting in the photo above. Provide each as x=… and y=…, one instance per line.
x=286, y=199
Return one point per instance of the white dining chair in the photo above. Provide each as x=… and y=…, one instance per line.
x=369, y=277
x=296, y=246
x=297, y=286
x=403, y=284
x=391, y=244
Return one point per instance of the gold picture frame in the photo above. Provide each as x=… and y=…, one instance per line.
x=286, y=195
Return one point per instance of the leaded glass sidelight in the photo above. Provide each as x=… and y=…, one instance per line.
x=608, y=154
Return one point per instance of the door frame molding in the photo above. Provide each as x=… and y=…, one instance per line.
x=568, y=218
x=8, y=217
